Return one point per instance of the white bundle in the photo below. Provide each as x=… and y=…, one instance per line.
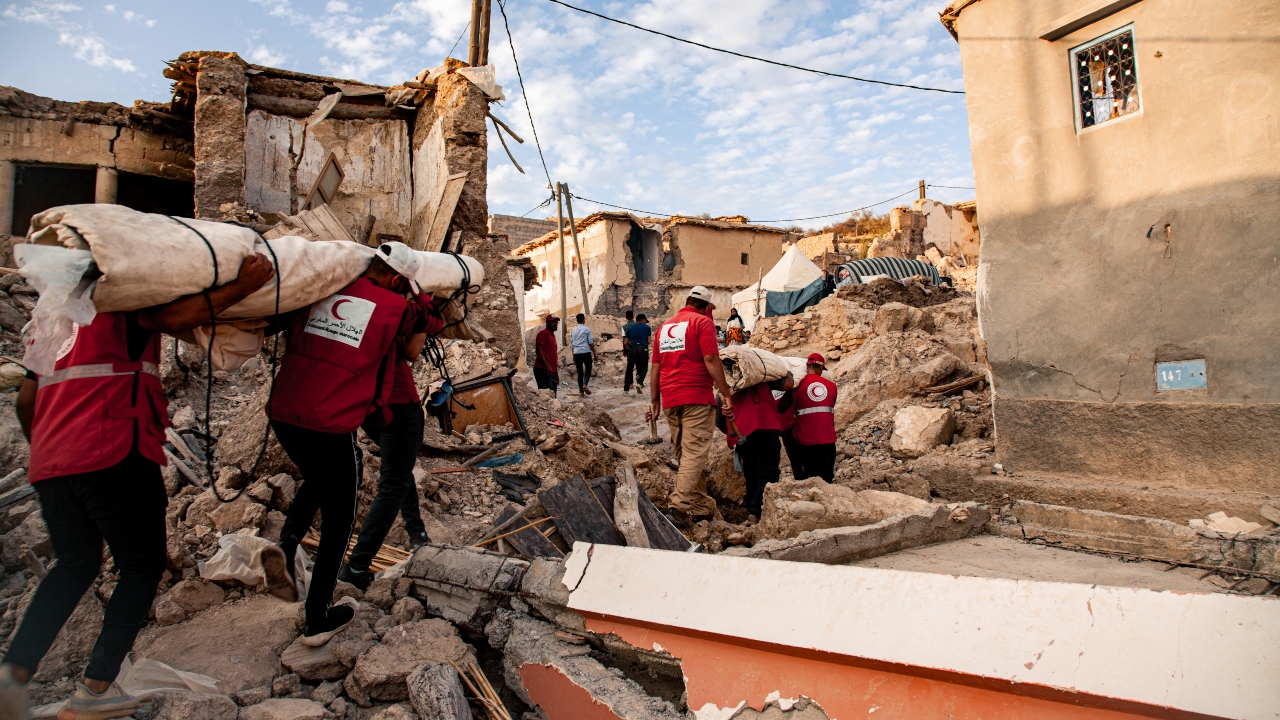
x=146, y=260
x=745, y=366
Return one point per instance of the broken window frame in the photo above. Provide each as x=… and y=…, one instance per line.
x=1078, y=100
x=317, y=188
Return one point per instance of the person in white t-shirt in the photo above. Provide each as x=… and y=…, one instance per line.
x=583, y=344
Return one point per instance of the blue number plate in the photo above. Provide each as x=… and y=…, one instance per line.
x=1181, y=375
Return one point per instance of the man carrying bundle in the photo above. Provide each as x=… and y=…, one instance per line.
x=96, y=426
x=815, y=423
x=338, y=371
x=754, y=434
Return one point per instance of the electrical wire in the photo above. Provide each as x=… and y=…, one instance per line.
x=455, y=42
x=752, y=57
x=542, y=204
x=524, y=93
x=952, y=187
x=814, y=217
x=651, y=213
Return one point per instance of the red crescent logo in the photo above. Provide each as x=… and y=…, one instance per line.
x=334, y=309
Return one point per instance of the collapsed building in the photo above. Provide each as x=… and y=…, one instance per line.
x=646, y=264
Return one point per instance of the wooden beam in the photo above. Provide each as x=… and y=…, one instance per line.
x=626, y=508
x=296, y=107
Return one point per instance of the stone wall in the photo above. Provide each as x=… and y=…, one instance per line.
x=520, y=230
x=220, y=133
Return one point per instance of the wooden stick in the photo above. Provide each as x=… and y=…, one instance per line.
x=443, y=471
x=182, y=468
x=513, y=532
x=181, y=445
x=491, y=452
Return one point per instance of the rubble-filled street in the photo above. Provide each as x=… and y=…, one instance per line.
x=997, y=448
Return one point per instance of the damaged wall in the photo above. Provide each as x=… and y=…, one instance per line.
x=607, y=263
x=1141, y=240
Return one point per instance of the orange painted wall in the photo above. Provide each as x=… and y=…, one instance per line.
x=725, y=671
x=559, y=697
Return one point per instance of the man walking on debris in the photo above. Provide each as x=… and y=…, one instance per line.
x=815, y=424
x=686, y=366
x=757, y=447
x=398, y=444
x=583, y=345
x=96, y=426
x=337, y=372
x=635, y=343
x=546, y=358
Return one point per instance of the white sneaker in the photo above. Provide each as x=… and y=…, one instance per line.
x=114, y=702
x=13, y=696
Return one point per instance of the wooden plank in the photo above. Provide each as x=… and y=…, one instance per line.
x=626, y=508
x=662, y=534
x=603, y=489
x=579, y=514
x=439, y=227
x=529, y=541
x=14, y=496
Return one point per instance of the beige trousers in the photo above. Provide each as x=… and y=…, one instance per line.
x=692, y=427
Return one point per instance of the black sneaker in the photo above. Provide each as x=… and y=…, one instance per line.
x=338, y=617
x=680, y=519
x=417, y=540
x=361, y=579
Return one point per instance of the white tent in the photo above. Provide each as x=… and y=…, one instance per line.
x=793, y=272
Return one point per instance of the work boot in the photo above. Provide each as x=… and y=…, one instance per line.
x=359, y=578
x=279, y=573
x=680, y=519
x=85, y=704
x=337, y=618
x=13, y=695
x=417, y=540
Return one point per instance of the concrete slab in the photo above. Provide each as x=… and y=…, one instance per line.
x=1001, y=557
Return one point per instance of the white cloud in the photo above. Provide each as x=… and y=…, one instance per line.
x=87, y=46
x=263, y=55
x=93, y=50
x=336, y=6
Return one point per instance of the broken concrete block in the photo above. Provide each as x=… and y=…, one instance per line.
x=326, y=692
x=918, y=430
x=283, y=488
x=463, y=585
x=382, y=670
x=380, y=592
x=399, y=711
x=286, y=685
x=196, y=594
x=332, y=660
x=339, y=707
x=897, y=317
x=407, y=610
x=285, y=709
x=792, y=507
x=193, y=706
x=436, y=692
x=538, y=666
x=238, y=644
x=354, y=691
x=169, y=613
x=260, y=491
x=252, y=696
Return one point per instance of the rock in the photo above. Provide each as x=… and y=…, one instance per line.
x=12, y=375
x=918, y=430
x=14, y=450
x=30, y=533
x=897, y=317
x=382, y=670
x=792, y=507
x=406, y=610
x=238, y=644
x=326, y=692
x=638, y=458
x=436, y=693
x=554, y=442
x=260, y=491
x=380, y=592
x=184, y=419
x=583, y=457
x=283, y=487
x=196, y=594
x=240, y=444
x=285, y=709
x=242, y=512
x=599, y=418
x=193, y=706
x=338, y=707
x=253, y=696
x=354, y=691
x=230, y=478
x=273, y=525
x=909, y=484
x=286, y=685
x=169, y=613
x=11, y=319
x=335, y=658
x=888, y=367
x=400, y=712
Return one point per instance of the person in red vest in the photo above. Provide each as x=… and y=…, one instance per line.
x=337, y=372
x=815, y=425
x=546, y=357
x=398, y=445
x=787, y=420
x=96, y=425
x=686, y=366
x=754, y=437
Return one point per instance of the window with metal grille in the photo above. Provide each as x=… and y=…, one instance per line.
x=1106, y=78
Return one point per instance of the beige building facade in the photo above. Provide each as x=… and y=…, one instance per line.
x=1127, y=161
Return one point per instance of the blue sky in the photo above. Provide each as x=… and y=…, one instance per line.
x=624, y=117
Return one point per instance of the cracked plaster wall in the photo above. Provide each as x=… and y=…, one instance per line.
x=1145, y=239
x=607, y=263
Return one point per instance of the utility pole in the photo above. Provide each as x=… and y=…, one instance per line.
x=922, y=189
x=564, y=285
x=573, y=229
x=478, y=12
x=484, y=31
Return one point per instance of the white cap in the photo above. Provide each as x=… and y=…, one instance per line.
x=403, y=260
x=701, y=293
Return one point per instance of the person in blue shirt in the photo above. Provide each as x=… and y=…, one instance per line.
x=635, y=344
x=583, y=343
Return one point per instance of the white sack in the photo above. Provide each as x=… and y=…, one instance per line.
x=239, y=558
x=745, y=366
x=64, y=280
x=144, y=680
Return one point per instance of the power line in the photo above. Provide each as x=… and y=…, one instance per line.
x=524, y=94
x=652, y=213
x=455, y=42
x=951, y=187
x=544, y=203
x=752, y=57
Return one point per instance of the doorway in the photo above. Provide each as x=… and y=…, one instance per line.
x=37, y=188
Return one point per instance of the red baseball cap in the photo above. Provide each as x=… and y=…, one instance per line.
x=816, y=359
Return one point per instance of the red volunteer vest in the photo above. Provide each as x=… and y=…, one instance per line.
x=339, y=364
x=86, y=408
x=753, y=409
x=815, y=411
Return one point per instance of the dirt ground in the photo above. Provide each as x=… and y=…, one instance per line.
x=1000, y=557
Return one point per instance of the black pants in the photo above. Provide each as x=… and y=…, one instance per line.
x=759, y=454
x=545, y=380
x=124, y=505
x=637, y=361
x=793, y=455
x=582, y=362
x=817, y=461
x=330, y=465
x=398, y=445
